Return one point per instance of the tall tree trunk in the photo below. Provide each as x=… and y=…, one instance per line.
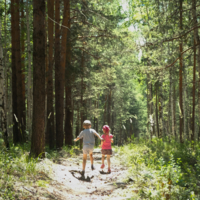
x=50, y=109
x=181, y=78
x=109, y=107
x=174, y=108
x=38, y=135
x=171, y=105
x=69, y=115
x=46, y=78
x=83, y=102
x=197, y=41
x=23, y=62
x=60, y=78
x=18, y=117
x=120, y=133
x=29, y=97
x=151, y=117
x=161, y=121
x=113, y=118
x=157, y=117
x=59, y=127
x=6, y=104
x=20, y=100
x=68, y=87
x=193, y=95
x=3, y=119
x=148, y=103
x=105, y=110
x=14, y=79
x=77, y=124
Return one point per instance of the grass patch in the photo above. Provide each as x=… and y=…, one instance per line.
x=162, y=170
x=18, y=170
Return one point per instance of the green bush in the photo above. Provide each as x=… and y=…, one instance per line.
x=163, y=170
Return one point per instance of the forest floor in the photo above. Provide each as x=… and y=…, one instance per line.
x=140, y=170
x=64, y=181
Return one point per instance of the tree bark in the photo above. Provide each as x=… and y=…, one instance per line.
x=148, y=103
x=3, y=119
x=60, y=76
x=83, y=102
x=172, y=129
x=23, y=63
x=29, y=98
x=197, y=41
x=157, y=117
x=59, y=127
x=161, y=120
x=112, y=115
x=18, y=109
x=193, y=95
x=181, y=79
x=68, y=87
x=50, y=109
x=174, y=109
x=14, y=79
x=6, y=104
x=20, y=101
x=105, y=110
x=38, y=135
x=109, y=109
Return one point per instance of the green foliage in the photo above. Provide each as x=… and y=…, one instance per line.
x=162, y=170
x=16, y=168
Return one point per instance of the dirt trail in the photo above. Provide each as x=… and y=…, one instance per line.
x=67, y=182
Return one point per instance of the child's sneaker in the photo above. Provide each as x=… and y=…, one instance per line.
x=92, y=167
x=83, y=173
x=102, y=166
x=109, y=170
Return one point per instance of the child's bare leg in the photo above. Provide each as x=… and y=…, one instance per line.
x=84, y=161
x=102, y=159
x=91, y=158
x=108, y=160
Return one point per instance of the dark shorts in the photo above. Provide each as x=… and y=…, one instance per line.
x=106, y=151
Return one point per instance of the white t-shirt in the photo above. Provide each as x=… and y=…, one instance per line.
x=88, y=137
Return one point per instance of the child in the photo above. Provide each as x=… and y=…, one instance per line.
x=106, y=146
x=88, y=142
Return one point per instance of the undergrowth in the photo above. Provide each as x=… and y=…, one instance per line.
x=17, y=169
x=162, y=170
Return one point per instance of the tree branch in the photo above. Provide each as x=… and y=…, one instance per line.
x=177, y=58
x=171, y=39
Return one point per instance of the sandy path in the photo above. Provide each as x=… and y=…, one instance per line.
x=65, y=182
x=94, y=185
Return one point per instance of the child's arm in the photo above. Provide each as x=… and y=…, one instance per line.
x=111, y=140
x=76, y=139
x=101, y=144
x=79, y=137
x=98, y=136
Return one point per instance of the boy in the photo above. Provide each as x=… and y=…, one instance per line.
x=88, y=142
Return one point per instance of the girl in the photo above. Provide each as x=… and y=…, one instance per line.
x=106, y=146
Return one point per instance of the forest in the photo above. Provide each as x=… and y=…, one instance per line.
x=133, y=65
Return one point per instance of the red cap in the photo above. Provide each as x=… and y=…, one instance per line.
x=106, y=128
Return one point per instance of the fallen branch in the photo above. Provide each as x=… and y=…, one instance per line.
x=29, y=190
